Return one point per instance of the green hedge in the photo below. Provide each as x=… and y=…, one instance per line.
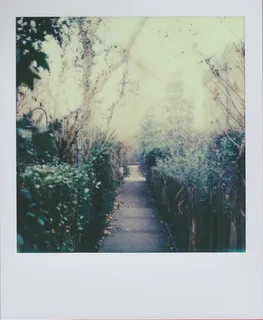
x=62, y=207
x=50, y=198
x=207, y=163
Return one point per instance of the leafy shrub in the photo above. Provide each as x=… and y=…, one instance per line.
x=106, y=163
x=156, y=154
x=106, y=160
x=222, y=157
x=34, y=144
x=191, y=169
x=202, y=163
x=50, y=197
x=44, y=145
x=62, y=201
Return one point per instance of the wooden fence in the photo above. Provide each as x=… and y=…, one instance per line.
x=215, y=225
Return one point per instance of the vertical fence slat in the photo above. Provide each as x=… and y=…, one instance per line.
x=194, y=211
x=191, y=213
x=220, y=217
x=226, y=228
x=197, y=220
x=240, y=226
x=210, y=216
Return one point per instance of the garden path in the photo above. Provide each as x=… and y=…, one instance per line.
x=136, y=226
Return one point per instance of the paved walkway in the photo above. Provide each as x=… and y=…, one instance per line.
x=136, y=224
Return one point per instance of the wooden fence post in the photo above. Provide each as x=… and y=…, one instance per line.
x=210, y=215
x=194, y=204
x=182, y=219
x=226, y=227
x=191, y=213
x=241, y=223
x=220, y=217
x=198, y=230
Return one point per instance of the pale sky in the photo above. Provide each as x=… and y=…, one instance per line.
x=163, y=50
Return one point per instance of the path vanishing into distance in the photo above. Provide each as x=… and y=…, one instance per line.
x=136, y=225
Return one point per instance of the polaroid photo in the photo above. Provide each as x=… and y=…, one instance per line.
x=132, y=160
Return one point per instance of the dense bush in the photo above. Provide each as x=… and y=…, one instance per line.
x=62, y=206
x=222, y=158
x=34, y=144
x=102, y=164
x=154, y=155
x=50, y=198
x=191, y=169
x=203, y=163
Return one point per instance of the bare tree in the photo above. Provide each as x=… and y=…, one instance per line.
x=94, y=87
x=225, y=81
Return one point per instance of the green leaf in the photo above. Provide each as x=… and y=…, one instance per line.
x=18, y=55
x=41, y=221
x=30, y=214
x=20, y=240
x=30, y=152
x=26, y=193
x=32, y=205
